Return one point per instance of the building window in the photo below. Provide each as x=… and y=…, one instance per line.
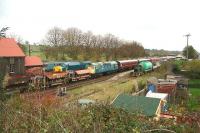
x=12, y=68
x=12, y=61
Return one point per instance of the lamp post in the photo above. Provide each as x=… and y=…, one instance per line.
x=187, y=36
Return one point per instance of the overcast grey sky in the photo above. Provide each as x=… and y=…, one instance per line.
x=158, y=24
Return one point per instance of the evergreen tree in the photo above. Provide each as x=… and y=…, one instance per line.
x=192, y=53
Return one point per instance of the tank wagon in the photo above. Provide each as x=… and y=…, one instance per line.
x=144, y=66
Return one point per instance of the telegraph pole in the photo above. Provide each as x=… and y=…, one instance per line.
x=29, y=49
x=187, y=36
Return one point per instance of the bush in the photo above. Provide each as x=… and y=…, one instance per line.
x=141, y=84
x=191, y=68
x=47, y=115
x=177, y=65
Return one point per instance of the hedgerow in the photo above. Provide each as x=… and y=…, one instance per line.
x=188, y=68
x=50, y=115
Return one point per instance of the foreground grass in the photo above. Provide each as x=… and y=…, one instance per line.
x=194, y=90
x=48, y=115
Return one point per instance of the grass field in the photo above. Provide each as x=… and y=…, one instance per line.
x=108, y=90
x=35, y=51
x=103, y=91
x=194, y=89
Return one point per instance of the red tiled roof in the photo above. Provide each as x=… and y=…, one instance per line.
x=10, y=48
x=33, y=61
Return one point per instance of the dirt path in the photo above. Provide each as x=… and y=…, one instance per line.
x=120, y=75
x=169, y=68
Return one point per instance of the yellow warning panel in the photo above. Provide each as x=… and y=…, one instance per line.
x=57, y=69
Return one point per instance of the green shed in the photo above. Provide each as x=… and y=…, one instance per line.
x=145, y=105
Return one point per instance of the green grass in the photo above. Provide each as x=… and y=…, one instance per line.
x=103, y=91
x=35, y=51
x=108, y=90
x=194, y=89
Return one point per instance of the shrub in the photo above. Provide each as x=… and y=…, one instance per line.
x=177, y=65
x=191, y=68
x=141, y=84
x=47, y=115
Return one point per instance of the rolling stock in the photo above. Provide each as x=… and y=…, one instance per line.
x=127, y=64
x=55, y=73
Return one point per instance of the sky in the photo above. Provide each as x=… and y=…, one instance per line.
x=156, y=24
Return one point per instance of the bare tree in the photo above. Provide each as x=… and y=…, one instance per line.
x=108, y=45
x=86, y=46
x=98, y=46
x=55, y=39
x=73, y=37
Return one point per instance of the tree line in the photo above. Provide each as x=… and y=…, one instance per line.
x=74, y=44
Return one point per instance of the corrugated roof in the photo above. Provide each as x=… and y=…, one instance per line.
x=162, y=96
x=33, y=61
x=166, y=88
x=145, y=105
x=85, y=101
x=10, y=48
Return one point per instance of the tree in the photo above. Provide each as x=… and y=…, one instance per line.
x=45, y=50
x=192, y=53
x=2, y=81
x=87, y=40
x=19, y=40
x=73, y=39
x=55, y=39
x=3, y=32
x=78, y=45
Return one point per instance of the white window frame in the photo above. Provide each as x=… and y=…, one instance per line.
x=12, y=68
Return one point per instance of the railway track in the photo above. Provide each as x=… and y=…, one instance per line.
x=78, y=84
x=54, y=91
